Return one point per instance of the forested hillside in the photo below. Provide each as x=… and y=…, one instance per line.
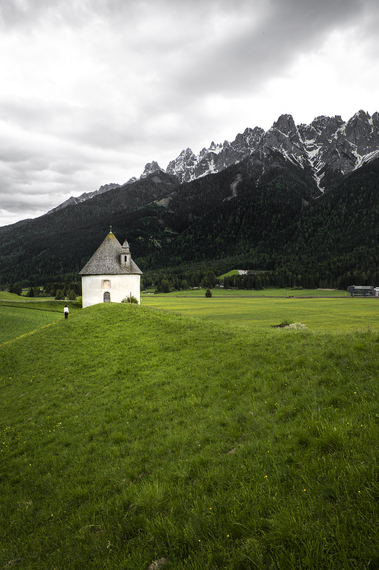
x=280, y=228
x=337, y=237
x=60, y=243
x=219, y=222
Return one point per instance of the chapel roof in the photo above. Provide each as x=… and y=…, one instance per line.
x=106, y=260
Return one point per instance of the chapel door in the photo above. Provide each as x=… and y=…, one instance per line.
x=107, y=297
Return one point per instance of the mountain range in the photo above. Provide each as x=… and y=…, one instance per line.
x=263, y=200
x=328, y=148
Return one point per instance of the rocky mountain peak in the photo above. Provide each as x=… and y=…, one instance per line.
x=189, y=166
x=151, y=168
x=360, y=131
x=285, y=124
x=284, y=137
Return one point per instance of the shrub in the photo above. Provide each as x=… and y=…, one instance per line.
x=15, y=288
x=208, y=293
x=131, y=299
x=59, y=295
x=72, y=295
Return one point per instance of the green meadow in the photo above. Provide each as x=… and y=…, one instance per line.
x=14, y=324
x=275, y=292
x=188, y=433
x=22, y=316
x=322, y=314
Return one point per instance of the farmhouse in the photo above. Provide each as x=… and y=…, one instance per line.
x=361, y=291
x=110, y=275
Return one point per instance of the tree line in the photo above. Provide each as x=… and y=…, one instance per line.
x=58, y=290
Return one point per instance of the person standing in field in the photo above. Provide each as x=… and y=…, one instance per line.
x=66, y=311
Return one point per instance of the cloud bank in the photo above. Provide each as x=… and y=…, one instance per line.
x=92, y=90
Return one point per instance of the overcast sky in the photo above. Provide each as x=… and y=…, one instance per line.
x=92, y=90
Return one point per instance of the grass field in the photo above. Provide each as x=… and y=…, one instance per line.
x=318, y=314
x=16, y=322
x=133, y=436
x=20, y=316
x=219, y=292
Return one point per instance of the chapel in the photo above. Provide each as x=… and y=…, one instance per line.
x=110, y=275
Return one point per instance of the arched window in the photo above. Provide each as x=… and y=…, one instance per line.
x=107, y=297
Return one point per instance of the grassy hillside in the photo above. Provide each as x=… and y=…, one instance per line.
x=130, y=436
x=16, y=321
x=14, y=326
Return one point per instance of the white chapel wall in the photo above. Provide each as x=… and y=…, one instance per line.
x=118, y=287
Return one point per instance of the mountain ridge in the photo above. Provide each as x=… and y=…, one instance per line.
x=326, y=143
x=329, y=147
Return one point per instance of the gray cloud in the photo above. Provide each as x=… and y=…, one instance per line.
x=94, y=89
x=257, y=48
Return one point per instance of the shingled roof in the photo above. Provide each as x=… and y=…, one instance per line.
x=106, y=260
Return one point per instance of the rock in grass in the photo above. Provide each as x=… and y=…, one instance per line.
x=157, y=564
